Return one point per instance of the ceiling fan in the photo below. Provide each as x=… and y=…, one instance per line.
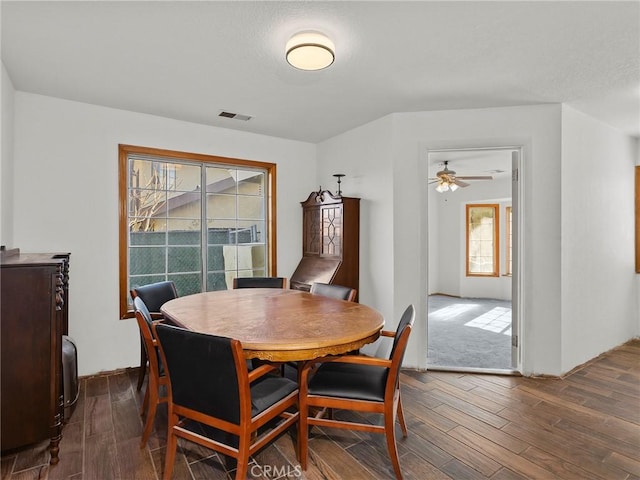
x=447, y=179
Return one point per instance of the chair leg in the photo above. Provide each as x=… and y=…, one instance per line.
x=390, y=434
x=172, y=446
x=303, y=433
x=401, y=416
x=145, y=401
x=243, y=457
x=148, y=425
x=143, y=363
x=152, y=394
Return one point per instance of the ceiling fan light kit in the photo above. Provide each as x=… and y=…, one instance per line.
x=444, y=186
x=448, y=181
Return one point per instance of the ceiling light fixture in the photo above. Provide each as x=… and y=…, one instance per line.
x=310, y=51
x=445, y=185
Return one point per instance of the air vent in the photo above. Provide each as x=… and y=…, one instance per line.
x=235, y=116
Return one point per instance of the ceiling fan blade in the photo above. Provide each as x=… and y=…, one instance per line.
x=475, y=177
x=435, y=180
x=460, y=183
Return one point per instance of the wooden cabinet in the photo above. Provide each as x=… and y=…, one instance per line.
x=34, y=313
x=330, y=241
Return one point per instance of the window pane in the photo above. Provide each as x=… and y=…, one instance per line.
x=182, y=177
x=146, y=260
x=187, y=284
x=183, y=259
x=167, y=204
x=250, y=207
x=147, y=238
x=221, y=206
x=221, y=180
x=250, y=231
x=182, y=205
x=481, y=240
x=251, y=183
x=218, y=281
x=183, y=232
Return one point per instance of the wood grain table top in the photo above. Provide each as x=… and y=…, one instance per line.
x=278, y=324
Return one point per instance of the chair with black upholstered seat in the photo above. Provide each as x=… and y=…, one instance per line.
x=339, y=292
x=157, y=383
x=259, y=282
x=357, y=382
x=209, y=384
x=154, y=295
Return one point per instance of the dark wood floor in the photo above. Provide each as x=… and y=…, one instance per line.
x=461, y=426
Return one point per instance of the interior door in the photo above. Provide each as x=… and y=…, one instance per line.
x=515, y=255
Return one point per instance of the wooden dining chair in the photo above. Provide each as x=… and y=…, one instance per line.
x=357, y=382
x=339, y=292
x=209, y=383
x=154, y=295
x=259, y=282
x=157, y=384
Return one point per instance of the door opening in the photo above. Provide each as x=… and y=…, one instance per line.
x=473, y=259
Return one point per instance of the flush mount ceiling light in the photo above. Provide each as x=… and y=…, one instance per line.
x=310, y=51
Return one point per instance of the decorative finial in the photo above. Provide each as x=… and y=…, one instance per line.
x=339, y=177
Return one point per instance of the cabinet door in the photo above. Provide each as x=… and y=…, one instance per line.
x=28, y=385
x=311, y=236
x=332, y=230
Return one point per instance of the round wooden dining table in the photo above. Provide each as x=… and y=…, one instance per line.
x=278, y=325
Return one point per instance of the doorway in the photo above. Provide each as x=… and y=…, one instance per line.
x=473, y=198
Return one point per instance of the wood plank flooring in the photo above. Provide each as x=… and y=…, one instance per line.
x=461, y=426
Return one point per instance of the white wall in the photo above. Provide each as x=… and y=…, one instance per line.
x=449, y=252
x=537, y=129
x=6, y=163
x=363, y=155
x=66, y=153
x=66, y=199
x=545, y=184
x=599, y=306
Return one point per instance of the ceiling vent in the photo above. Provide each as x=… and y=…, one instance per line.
x=235, y=116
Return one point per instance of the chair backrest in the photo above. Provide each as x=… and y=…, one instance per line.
x=154, y=295
x=259, y=282
x=203, y=371
x=141, y=306
x=406, y=321
x=398, y=350
x=334, y=291
x=145, y=322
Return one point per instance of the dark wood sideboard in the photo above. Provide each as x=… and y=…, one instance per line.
x=330, y=241
x=34, y=314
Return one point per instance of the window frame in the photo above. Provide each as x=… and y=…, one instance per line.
x=496, y=239
x=508, y=246
x=125, y=309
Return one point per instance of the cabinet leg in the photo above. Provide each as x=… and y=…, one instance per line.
x=54, y=445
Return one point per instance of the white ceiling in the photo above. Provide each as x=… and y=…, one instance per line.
x=191, y=60
x=495, y=162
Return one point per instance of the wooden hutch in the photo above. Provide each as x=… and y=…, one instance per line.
x=34, y=310
x=330, y=241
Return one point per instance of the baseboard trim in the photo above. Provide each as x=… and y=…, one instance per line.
x=491, y=371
